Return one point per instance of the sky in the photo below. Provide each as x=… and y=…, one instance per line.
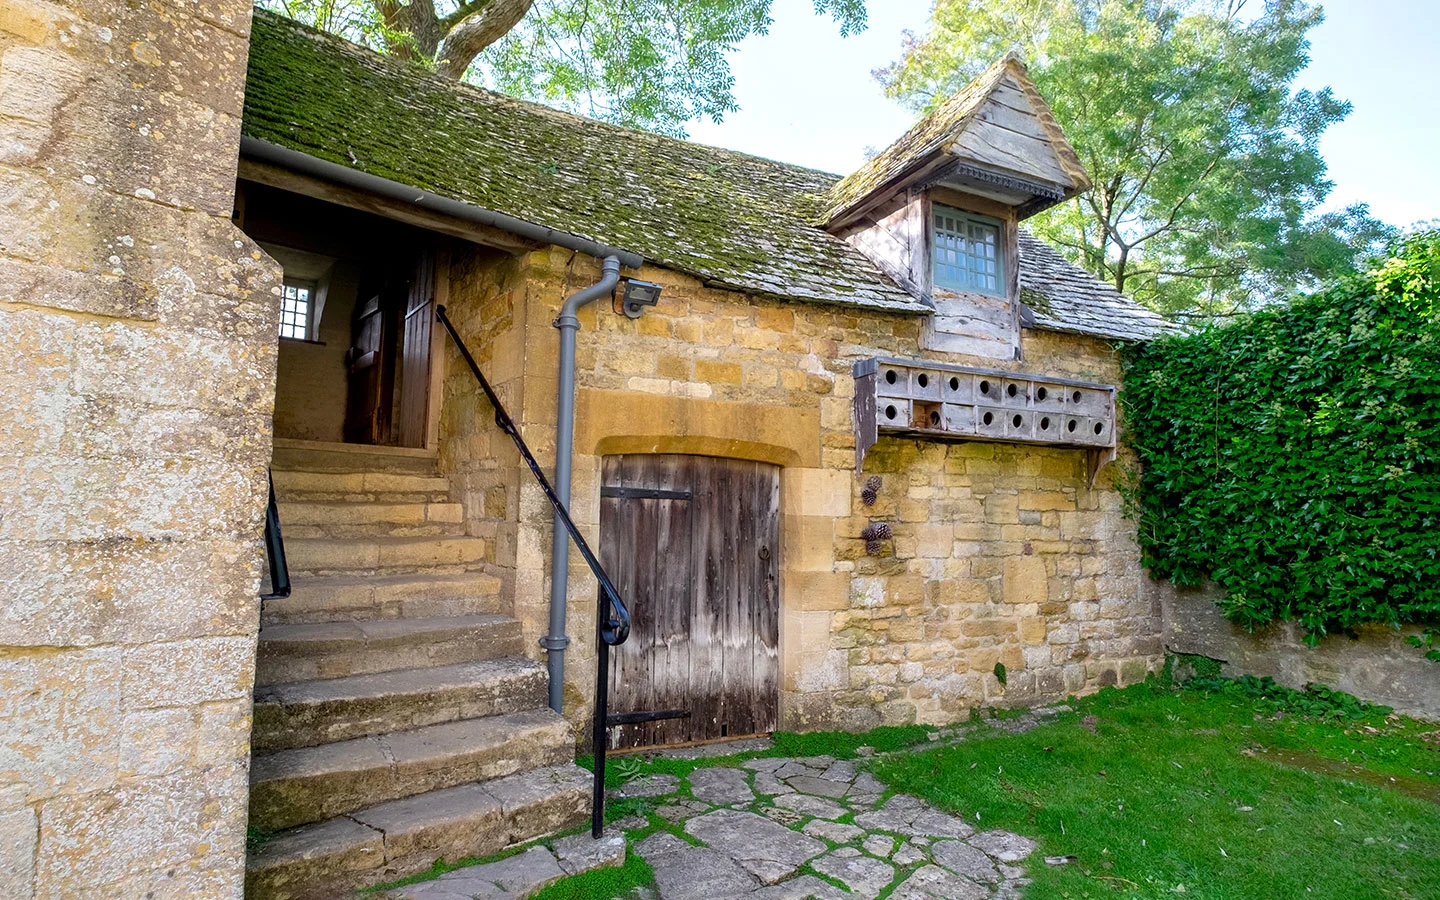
x=807, y=96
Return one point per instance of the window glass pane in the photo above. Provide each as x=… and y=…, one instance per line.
x=295, y=311
x=967, y=252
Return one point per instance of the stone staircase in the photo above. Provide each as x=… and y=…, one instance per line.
x=397, y=720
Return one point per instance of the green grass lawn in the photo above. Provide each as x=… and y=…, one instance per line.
x=1223, y=790
x=1233, y=792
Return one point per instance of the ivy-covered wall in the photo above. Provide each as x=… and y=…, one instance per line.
x=1292, y=456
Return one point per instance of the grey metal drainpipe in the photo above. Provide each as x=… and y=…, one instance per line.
x=556, y=641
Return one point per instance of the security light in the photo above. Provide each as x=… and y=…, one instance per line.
x=635, y=295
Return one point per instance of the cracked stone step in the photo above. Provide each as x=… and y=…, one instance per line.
x=336, y=598
x=311, y=784
x=288, y=653
x=400, y=837
x=352, y=555
x=311, y=713
x=329, y=518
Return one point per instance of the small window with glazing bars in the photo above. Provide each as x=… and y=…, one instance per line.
x=296, y=308
x=967, y=252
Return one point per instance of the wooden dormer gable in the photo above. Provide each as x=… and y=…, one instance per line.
x=989, y=157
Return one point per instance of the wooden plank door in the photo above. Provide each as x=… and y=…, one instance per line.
x=412, y=415
x=692, y=545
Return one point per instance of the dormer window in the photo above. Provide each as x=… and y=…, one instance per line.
x=939, y=210
x=967, y=252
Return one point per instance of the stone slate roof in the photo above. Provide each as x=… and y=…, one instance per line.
x=1065, y=297
x=729, y=219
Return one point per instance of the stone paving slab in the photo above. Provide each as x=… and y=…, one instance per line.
x=519, y=876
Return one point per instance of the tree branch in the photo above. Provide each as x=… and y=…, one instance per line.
x=472, y=34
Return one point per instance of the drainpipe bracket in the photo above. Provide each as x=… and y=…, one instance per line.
x=553, y=642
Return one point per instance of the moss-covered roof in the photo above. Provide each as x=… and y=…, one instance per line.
x=729, y=219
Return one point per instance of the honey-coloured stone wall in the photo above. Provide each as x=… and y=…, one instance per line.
x=135, y=404
x=1002, y=553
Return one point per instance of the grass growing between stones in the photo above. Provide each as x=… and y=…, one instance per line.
x=611, y=882
x=837, y=744
x=1238, y=791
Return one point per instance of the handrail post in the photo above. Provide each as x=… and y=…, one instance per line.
x=601, y=731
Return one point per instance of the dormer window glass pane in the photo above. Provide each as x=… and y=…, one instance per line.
x=967, y=252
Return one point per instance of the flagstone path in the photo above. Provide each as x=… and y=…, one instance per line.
x=811, y=828
x=771, y=828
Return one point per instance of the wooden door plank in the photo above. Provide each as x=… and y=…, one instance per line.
x=629, y=663
x=767, y=619
x=707, y=652
x=673, y=588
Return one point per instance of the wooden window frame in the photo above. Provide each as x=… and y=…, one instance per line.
x=968, y=218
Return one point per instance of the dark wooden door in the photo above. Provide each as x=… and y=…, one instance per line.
x=412, y=414
x=389, y=358
x=692, y=543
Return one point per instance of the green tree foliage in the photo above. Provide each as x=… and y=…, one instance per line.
x=1293, y=456
x=1205, y=159
x=645, y=63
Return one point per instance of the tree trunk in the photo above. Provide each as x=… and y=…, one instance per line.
x=476, y=32
x=1120, y=273
x=417, y=19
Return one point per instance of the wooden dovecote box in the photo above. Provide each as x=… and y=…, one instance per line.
x=934, y=401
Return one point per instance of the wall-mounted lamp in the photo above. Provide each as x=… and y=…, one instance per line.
x=634, y=295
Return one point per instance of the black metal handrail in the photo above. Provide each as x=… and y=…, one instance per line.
x=612, y=620
x=275, y=551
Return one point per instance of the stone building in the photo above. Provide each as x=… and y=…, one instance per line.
x=785, y=447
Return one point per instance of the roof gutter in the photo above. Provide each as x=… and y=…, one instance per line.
x=304, y=164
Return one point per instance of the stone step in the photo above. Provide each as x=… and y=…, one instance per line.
x=353, y=598
x=319, y=456
x=354, y=555
x=310, y=518
x=288, y=653
x=311, y=713
x=311, y=784
x=391, y=840
x=360, y=486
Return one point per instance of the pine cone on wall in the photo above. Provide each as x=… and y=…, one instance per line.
x=875, y=535
x=872, y=490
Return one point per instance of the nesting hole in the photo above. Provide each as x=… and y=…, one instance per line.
x=1018, y=421
x=1044, y=421
x=984, y=387
x=1012, y=390
x=923, y=380
x=954, y=384
x=891, y=412
x=988, y=418
x=890, y=376
x=1099, y=428
x=1040, y=394
x=934, y=418
x=1074, y=423
x=1075, y=397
